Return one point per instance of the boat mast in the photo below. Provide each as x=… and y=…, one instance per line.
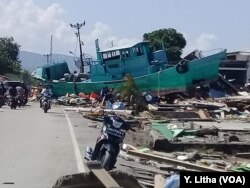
x=78, y=27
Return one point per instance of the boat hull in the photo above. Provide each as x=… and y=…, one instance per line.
x=169, y=79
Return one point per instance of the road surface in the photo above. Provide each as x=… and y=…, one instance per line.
x=37, y=148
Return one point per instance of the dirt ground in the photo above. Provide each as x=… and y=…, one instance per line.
x=139, y=138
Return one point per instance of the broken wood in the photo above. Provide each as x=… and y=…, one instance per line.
x=146, y=183
x=207, y=105
x=177, y=115
x=173, y=161
x=175, y=105
x=102, y=175
x=79, y=109
x=206, y=131
x=202, y=114
x=243, y=155
x=159, y=181
x=146, y=169
x=144, y=177
x=191, y=119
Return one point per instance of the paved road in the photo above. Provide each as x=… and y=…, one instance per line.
x=38, y=148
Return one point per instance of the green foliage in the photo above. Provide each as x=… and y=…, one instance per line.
x=170, y=39
x=27, y=78
x=129, y=87
x=23, y=76
x=9, y=50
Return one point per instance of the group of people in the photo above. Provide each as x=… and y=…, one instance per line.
x=13, y=91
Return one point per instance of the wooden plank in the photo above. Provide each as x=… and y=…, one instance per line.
x=159, y=181
x=144, y=177
x=243, y=155
x=105, y=178
x=145, y=168
x=102, y=175
x=146, y=183
x=202, y=114
x=174, y=161
x=191, y=119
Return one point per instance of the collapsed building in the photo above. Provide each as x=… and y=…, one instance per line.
x=236, y=68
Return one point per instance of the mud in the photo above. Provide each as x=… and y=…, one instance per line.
x=88, y=180
x=139, y=138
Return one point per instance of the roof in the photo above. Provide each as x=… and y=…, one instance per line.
x=123, y=47
x=245, y=52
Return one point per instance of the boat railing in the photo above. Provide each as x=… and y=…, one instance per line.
x=211, y=52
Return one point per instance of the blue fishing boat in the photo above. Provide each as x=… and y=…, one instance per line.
x=150, y=70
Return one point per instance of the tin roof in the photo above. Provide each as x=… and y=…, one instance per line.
x=123, y=47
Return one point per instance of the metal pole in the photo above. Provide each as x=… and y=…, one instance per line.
x=78, y=26
x=47, y=55
x=50, y=50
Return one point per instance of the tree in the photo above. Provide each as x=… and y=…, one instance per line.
x=9, y=50
x=128, y=87
x=26, y=77
x=170, y=39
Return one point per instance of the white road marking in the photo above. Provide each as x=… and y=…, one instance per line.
x=79, y=160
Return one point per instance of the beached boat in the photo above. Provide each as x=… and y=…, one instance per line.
x=150, y=70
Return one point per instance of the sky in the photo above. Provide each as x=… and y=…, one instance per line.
x=205, y=24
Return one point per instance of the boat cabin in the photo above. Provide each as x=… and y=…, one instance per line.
x=51, y=72
x=136, y=60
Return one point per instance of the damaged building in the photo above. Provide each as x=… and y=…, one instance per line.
x=236, y=69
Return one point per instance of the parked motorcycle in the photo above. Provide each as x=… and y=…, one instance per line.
x=45, y=104
x=109, y=142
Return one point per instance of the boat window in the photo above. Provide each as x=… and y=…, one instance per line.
x=104, y=56
x=231, y=57
x=112, y=55
x=125, y=53
x=138, y=50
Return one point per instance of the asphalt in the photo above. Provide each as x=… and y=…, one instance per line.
x=37, y=148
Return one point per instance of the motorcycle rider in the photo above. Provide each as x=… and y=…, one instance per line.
x=2, y=89
x=13, y=91
x=46, y=93
x=20, y=94
x=2, y=93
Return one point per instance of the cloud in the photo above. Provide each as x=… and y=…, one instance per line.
x=31, y=26
x=202, y=42
x=106, y=38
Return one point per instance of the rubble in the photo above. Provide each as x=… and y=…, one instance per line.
x=179, y=131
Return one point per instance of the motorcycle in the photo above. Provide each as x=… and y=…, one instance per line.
x=109, y=142
x=12, y=102
x=45, y=104
x=20, y=101
x=2, y=100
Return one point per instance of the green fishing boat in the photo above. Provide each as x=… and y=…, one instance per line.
x=151, y=71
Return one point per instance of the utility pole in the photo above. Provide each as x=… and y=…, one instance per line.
x=51, y=47
x=47, y=55
x=78, y=27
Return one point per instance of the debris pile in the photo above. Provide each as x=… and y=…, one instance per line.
x=191, y=131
